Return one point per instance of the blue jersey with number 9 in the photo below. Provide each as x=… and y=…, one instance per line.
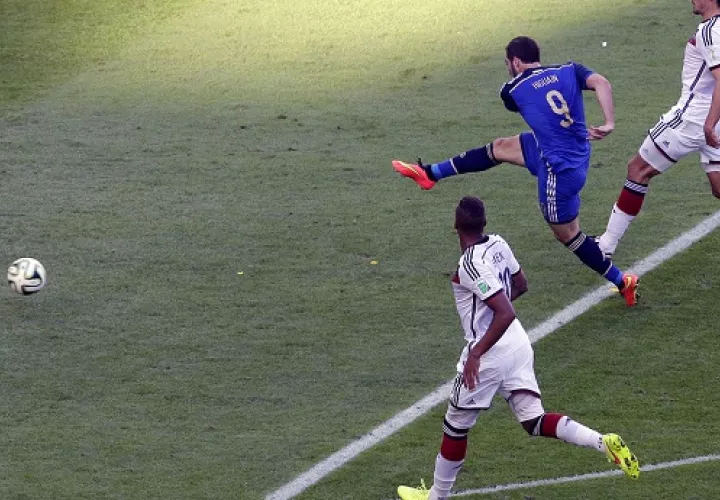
x=550, y=100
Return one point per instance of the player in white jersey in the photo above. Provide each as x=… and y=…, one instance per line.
x=498, y=358
x=689, y=126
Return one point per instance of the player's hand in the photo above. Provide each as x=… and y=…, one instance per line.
x=712, y=138
x=597, y=133
x=471, y=372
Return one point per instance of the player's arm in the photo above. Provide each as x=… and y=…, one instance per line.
x=503, y=316
x=519, y=285
x=604, y=94
x=587, y=79
x=711, y=137
x=481, y=281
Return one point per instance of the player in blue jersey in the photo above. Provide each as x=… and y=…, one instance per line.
x=556, y=150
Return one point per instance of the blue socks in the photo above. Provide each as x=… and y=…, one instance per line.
x=475, y=160
x=442, y=170
x=590, y=254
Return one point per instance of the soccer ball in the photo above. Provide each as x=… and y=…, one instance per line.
x=26, y=276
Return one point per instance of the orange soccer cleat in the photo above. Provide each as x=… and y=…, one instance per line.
x=630, y=289
x=415, y=171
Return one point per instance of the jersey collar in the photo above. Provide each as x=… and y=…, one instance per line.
x=482, y=240
x=716, y=16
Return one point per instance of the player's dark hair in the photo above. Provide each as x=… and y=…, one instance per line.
x=524, y=48
x=470, y=215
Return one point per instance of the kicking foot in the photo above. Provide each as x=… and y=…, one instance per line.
x=414, y=171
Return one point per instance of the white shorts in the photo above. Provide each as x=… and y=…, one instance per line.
x=514, y=372
x=668, y=142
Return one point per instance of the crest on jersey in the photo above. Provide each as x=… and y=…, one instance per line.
x=482, y=286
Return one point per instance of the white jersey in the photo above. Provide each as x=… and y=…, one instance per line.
x=702, y=54
x=486, y=269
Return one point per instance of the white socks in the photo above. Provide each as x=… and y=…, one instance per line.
x=574, y=432
x=617, y=225
x=445, y=474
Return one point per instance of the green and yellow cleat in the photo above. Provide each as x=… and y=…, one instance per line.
x=620, y=454
x=408, y=493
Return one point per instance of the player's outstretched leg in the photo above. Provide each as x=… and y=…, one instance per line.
x=415, y=171
x=501, y=150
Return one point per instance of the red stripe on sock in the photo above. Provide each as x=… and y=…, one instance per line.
x=630, y=202
x=453, y=449
x=548, y=428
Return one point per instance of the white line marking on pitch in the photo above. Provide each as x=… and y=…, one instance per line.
x=439, y=395
x=584, y=477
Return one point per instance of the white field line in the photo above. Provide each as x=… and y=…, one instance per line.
x=584, y=477
x=439, y=395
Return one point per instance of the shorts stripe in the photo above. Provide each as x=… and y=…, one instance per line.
x=551, y=192
x=657, y=129
x=455, y=395
x=661, y=126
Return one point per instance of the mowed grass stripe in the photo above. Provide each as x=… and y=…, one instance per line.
x=422, y=406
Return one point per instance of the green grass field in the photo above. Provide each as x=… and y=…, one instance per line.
x=150, y=152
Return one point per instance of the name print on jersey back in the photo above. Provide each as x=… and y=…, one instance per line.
x=502, y=266
x=550, y=100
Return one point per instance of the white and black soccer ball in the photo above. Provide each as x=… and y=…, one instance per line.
x=26, y=276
